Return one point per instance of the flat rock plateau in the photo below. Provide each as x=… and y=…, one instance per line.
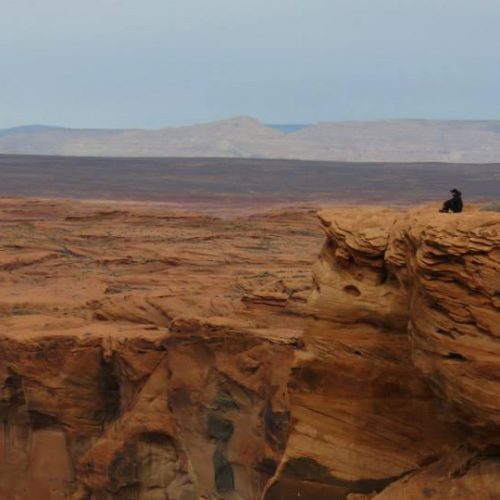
x=149, y=353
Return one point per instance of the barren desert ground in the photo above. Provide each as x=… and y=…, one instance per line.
x=209, y=183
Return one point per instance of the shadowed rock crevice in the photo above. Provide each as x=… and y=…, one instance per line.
x=277, y=424
x=352, y=290
x=110, y=392
x=41, y=421
x=218, y=428
x=12, y=395
x=455, y=356
x=223, y=473
x=306, y=478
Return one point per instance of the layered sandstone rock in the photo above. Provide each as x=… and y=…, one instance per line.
x=140, y=413
x=146, y=355
x=400, y=367
x=451, y=269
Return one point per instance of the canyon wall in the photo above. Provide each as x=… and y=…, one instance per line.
x=231, y=378
x=145, y=415
x=397, y=391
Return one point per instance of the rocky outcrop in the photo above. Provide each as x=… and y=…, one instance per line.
x=452, y=276
x=399, y=373
x=146, y=355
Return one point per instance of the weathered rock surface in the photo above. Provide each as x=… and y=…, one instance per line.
x=154, y=355
x=144, y=353
x=453, y=280
x=400, y=366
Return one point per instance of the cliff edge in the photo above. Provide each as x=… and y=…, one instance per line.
x=397, y=392
x=242, y=380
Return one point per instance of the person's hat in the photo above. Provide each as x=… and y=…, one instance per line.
x=454, y=190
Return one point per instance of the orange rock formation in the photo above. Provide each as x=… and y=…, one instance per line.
x=154, y=355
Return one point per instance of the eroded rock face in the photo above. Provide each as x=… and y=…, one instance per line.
x=353, y=282
x=399, y=371
x=463, y=474
x=152, y=356
x=145, y=354
x=453, y=281
x=190, y=416
x=440, y=276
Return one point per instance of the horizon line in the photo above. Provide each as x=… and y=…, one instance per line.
x=250, y=118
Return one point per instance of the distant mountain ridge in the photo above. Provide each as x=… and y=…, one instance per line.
x=25, y=129
x=472, y=141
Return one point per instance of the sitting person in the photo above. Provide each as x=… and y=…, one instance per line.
x=455, y=204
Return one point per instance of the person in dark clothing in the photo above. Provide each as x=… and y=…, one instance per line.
x=455, y=204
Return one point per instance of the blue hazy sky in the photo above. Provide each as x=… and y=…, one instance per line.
x=154, y=63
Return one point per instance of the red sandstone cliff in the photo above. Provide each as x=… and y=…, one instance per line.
x=146, y=356
x=397, y=391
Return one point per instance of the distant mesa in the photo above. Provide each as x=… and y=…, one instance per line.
x=245, y=137
x=26, y=129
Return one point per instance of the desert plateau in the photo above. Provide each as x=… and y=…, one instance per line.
x=249, y=250
x=289, y=342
